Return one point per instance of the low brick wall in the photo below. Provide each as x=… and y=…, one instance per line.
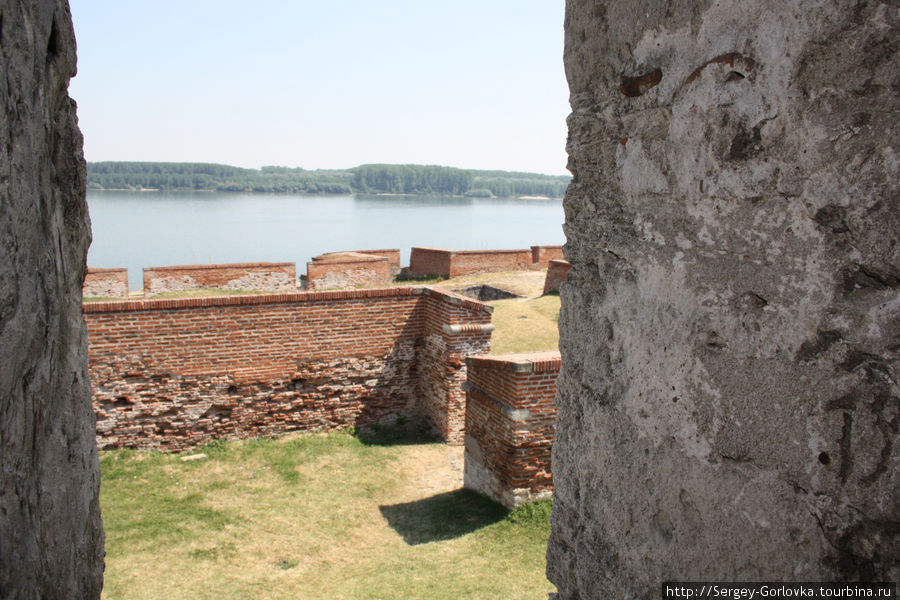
x=347, y=270
x=171, y=374
x=392, y=254
x=464, y=262
x=510, y=425
x=105, y=283
x=556, y=274
x=542, y=255
x=424, y=262
x=262, y=276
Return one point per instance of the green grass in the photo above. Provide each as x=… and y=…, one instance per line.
x=525, y=325
x=313, y=516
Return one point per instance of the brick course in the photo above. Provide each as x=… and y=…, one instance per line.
x=425, y=261
x=510, y=425
x=170, y=374
x=234, y=276
x=105, y=283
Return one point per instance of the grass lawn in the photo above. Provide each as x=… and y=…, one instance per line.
x=313, y=516
x=523, y=283
x=525, y=325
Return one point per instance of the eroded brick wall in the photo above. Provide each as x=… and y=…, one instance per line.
x=510, y=425
x=455, y=327
x=105, y=283
x=171, y=374
x=260, y=276
x=347, y=269
x=392, y=254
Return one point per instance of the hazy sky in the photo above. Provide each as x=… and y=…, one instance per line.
x=324, y=83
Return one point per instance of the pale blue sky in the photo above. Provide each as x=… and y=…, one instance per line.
x=323, y=84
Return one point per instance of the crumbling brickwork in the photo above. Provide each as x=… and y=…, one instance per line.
x=510, y=425
x=347, y=270
x=171, y=374
x=728, y=403
x=259, y=276
x=105, y=283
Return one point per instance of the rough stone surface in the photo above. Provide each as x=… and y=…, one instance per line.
x=728, y=405
x=51, y=539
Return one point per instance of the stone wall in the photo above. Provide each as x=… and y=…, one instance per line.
x=51, y=537
x=258, y=276
x=510, y=424
x=424, y=262
x=105, y=283
x=556, y=274
x=347, y=269
x=728, y=404
x=170, y=374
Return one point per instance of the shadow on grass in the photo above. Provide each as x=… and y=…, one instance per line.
x=395, y=435
x=442, y=517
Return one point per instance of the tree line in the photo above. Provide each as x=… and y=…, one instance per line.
x=374, y=178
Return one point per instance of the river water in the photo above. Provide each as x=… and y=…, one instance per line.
x=154, y=229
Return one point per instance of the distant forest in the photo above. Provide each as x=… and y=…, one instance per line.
x=374, y=179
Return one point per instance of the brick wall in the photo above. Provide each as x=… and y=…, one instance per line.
x=392, y=254
x=464, y=262
x=542, y=255
x=260, y=276
x=346, y=270
x=556, y=274
x=453, y=331
x=510, y=425
x=424, y=261
x=453, y=263
x=170, y=374
x=105, y=283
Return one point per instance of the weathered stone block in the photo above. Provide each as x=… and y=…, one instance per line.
x=51, y=538
x=728, y=406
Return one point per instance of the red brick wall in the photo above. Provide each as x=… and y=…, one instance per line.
x=105, y=283
x=346, y=270
x=450, y=263
x=429, y=261
x=484, y=261
x=392, y=254
x=234, y=276
x=171, y=374
x=510, y=425
x=542, y=255
x=452, y=332
x=556, y=274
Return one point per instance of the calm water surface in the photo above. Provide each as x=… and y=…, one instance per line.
x=153, y=229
